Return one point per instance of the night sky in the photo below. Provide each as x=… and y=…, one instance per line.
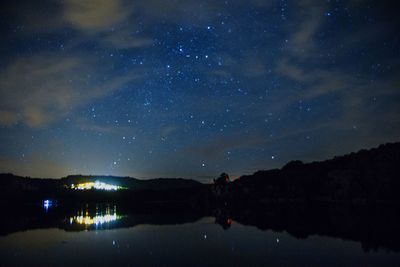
x=190, y=88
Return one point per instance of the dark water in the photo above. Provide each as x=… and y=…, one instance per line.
x=106, y=235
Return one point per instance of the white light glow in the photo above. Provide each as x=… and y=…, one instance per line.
x=97, y=220
x=95, y=185
x=47, y=204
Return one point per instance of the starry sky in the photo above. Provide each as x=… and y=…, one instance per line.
x=191, y=88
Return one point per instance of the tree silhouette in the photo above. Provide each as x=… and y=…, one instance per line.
x=223, y=179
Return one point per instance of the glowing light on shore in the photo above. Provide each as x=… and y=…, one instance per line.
x=95, y=185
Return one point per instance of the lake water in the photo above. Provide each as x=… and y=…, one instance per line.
x=102, y=236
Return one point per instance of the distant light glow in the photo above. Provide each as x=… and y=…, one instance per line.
x=47, y=203
x=95, y=185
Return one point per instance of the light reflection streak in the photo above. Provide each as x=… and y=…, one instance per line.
x=47, y=204
x=83, y=218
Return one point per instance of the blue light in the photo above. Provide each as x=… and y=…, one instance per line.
x=47, y=204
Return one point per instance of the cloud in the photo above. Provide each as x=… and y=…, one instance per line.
x=114, y=23
x=191, y=12
x=351, y=93
x=168, y=130
x=95, y=15
x=109, y=23
x=301, y=42
x=250, y=64
x=106, y=22
x=300, y=65
x=123, y=39
x=87, y=125
x=118, y=130
x=39, y=90
x=291, y=71
x=7, y=118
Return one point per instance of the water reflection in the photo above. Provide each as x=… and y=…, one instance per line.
x=108, y=215
x=47, y=203
x=223, y=218
x=293, y=235
x=374, y=227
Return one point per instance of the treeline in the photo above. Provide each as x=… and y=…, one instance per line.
x=26, y=189
x=368, y=175
x=364, y=176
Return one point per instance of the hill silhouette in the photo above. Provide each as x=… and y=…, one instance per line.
x=367, y=175
x=353, y=197
x=28, y=189
x=9, y=181
x=364, y=176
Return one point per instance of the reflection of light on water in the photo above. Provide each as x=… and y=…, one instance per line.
x=47, y=204
x=84, y=218
x=94, y=220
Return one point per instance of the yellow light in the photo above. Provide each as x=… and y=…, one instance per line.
x=97, y=220
x=95, y=185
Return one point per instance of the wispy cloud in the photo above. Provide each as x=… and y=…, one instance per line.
x=8, y=118
x=311, y=14
x=40, y=89
x=300, y=64
x=95, y=15
x=125, y=40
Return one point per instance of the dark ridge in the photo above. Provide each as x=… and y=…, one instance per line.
x=367, y=175
x=364, y=176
